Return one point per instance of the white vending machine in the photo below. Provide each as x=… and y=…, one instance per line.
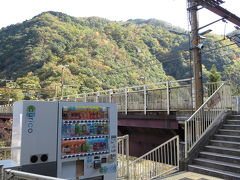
x=70, y=140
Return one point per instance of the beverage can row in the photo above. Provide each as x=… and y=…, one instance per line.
x=83, y=146
x=85, y=129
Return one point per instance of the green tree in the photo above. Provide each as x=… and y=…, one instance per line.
x=232, y=73
x=11, y=93
x=214, y=75
x=29, y=82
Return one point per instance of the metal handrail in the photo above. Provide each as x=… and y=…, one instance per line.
x=194, y=114
x=123, y=157
x=9, y=173
x=5, y=152
x=206, y=115
x=158, y=162
x=137, y=86
x=143, y=98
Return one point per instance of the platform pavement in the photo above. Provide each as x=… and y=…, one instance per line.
x=190, y=176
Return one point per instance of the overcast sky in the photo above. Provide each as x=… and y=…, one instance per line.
x=172, y=11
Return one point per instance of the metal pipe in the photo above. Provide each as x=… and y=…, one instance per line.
x=26, y=175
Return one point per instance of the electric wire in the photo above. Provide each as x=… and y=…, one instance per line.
x=165, y=60
x=149, y=62
x=213, y=49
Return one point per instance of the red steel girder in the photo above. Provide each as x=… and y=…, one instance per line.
x=225, y=14
x=210, y=2
x=221, y=12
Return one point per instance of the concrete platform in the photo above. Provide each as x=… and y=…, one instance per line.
x=191, y=176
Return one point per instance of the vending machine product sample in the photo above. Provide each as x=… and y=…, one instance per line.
x=68, y=140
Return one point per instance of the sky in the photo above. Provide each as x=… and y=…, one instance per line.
x=172, y=11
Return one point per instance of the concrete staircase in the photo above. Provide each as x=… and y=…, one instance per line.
x=221, y=157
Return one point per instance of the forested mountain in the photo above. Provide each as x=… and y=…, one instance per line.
x=101, y=54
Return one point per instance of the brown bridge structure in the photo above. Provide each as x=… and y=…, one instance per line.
x=151, y=114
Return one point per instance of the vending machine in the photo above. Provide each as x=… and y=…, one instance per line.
x=68, y=140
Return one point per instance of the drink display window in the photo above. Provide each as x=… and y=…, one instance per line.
x=85, y=131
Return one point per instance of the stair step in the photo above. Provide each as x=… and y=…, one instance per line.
x=234, y=116
x=231, y=126
x=214, y=172
x=236, y=122
x=223, y=150
x=228, y=144
x=227, y=137
x=229, y=132
x=220, y=157
x=217, y=165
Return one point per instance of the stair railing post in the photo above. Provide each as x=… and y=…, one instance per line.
x=127, y=154
x=178, y=152
x=110, y=95
x=168, y=98
x=126, y=100
x=1, y=172
x=230, y=94
x=145, y=99
x=186, y=139
x=237, y=103
x=224, y=101
x=97, y=96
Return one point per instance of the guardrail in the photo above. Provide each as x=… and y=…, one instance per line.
x=158, y=162
x=236, y=104
x=164, y=96
x=6, y=109
x=5, y=153
x=206, y=116
x=123, y=157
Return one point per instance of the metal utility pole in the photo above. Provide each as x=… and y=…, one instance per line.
x=196, y=52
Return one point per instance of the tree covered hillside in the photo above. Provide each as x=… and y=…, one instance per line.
x=101, y=54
